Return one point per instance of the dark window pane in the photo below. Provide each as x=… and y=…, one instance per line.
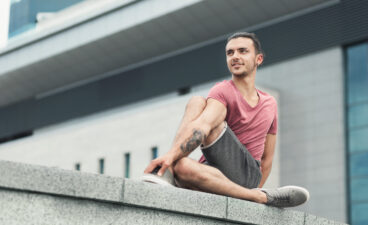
x=154, y=152
x=358, y=140
x=359, y=187
x=358, y=164
x=102, y=166
x=77, y=166
x=357, y=60
x=358, y=115
x=359, y=215
x=127, y=165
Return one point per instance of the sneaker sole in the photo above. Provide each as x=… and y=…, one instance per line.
x=155, y=180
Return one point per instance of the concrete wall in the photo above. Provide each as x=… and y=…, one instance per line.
x=312, y=144
x=40, y=195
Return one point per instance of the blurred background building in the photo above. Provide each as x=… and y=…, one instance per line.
x=101, y=85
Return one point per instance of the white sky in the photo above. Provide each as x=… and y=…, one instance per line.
x=4, y=21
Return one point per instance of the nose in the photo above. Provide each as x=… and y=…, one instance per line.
x=234, y=57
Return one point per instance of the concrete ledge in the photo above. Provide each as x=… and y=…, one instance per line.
x=41, y=179
x=174, y=199
x=42, y=195
x=254, y=213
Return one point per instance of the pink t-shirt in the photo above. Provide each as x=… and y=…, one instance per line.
x=250, y=124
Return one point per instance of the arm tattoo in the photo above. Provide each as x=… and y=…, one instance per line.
x=193, y=142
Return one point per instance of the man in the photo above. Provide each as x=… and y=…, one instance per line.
x=236, y=128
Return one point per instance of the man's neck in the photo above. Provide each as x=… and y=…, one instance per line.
x=246, y=85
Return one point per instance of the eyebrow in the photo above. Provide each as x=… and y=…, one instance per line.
x=245, y=48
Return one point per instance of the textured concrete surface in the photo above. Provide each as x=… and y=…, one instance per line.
x=254, y=213
x=176, y=199
x=62, y=182
x=41, y=195
x=18, y=208
x=154, y=217
x=314, y=220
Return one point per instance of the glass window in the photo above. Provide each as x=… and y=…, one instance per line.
x=357, y=129
x=358, y=164
x=358, y=140
x=102, y=166
x=358, y=115
x=359, y=215
x=360, y=193
x=23, y=13
x=127, y=165
x=154, y=152
x=77, y=166
x=357, y=63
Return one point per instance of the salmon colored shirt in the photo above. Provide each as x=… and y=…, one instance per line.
x=250, y=124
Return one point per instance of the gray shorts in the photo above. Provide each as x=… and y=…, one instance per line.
x=232, y=158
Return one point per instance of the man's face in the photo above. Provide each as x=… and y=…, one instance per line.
x=241, y=56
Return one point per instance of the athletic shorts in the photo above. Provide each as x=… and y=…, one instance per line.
x=231, y=157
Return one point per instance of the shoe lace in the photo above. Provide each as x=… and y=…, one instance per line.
x=280, y=196
x=284, y=197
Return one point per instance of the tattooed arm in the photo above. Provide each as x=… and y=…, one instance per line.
x=192, y=136
x=193, y=142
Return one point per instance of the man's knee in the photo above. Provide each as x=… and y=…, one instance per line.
x=185, y=168
x=197, y=102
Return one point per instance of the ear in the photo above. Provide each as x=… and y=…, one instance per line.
x=259, y=59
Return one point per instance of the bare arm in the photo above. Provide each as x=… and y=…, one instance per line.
x=267, y=157
x=192, y=136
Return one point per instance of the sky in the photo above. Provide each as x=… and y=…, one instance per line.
x=4, y=21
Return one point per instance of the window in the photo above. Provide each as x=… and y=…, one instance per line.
x=357, y=68
x=101, y=165
x=154, y=152
x=77, y=166
x=127, y=165
x=357, y=130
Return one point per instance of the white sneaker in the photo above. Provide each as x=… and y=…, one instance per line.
x=166, y=179
x=287, y=196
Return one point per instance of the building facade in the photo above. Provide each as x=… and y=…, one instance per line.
x=100, y=86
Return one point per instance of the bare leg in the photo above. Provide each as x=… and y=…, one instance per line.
x=197, y=176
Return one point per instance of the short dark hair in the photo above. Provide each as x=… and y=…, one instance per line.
x=252, y=36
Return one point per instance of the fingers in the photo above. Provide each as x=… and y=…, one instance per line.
x=151, y=167
x=164, y=162
x=163, y=169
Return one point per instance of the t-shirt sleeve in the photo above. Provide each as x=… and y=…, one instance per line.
x=217, y=92
x=273, y=128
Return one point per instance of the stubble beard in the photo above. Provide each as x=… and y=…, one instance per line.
x=248, y=70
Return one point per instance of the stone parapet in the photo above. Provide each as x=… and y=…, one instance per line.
x=32, y=194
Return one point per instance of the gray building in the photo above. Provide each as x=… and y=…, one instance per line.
x=98, y=69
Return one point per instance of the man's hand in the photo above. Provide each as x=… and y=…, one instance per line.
x=164, y=162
